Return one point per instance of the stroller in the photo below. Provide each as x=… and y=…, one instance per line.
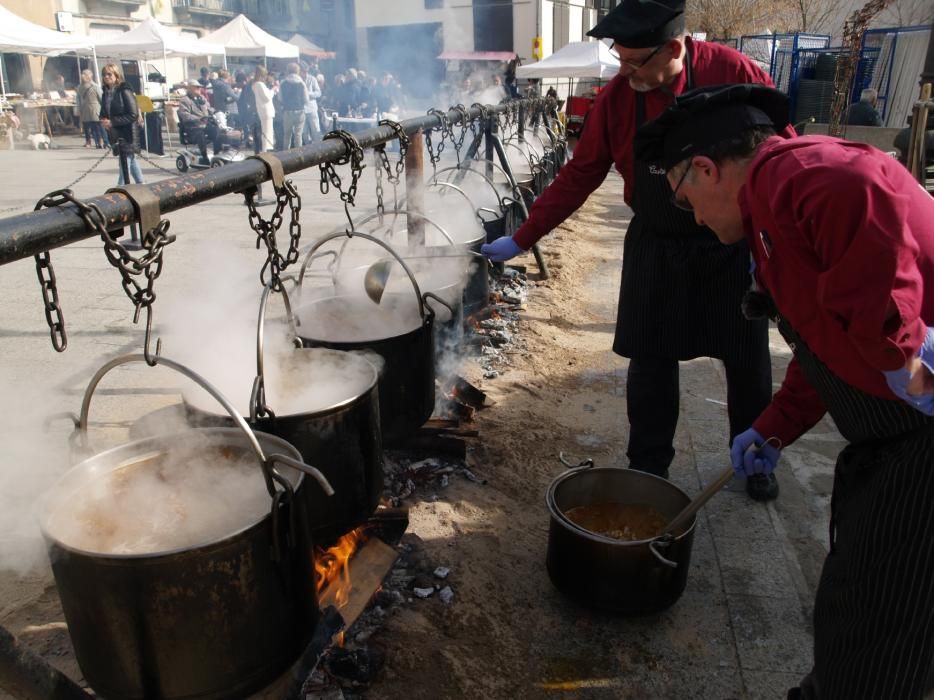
x=189, y=158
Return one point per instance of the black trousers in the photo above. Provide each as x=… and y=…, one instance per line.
x=652, y=404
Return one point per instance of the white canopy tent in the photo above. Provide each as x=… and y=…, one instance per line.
x=309, y=48
x=240, y=37
x=150, y=39
x=18, y=35
x=579, y=59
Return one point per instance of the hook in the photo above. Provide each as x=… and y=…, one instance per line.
x=151, y=360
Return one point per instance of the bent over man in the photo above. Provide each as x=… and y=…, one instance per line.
x=842, y=241
x=681, y=289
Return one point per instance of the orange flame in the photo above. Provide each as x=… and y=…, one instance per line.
x=332, y=569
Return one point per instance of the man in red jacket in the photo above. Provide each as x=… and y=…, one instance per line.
x=842, y=240
x=681, y=290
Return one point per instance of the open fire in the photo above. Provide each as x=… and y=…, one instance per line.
x=332, y=569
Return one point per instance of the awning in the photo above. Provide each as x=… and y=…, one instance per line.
x=477, y=56
x=309, y=48
x=579, y=59
x=240, y=37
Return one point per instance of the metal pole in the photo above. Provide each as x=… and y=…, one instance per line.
x=25, y=235
x=27, y=676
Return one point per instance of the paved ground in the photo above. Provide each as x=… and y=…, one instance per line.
x=742, y=628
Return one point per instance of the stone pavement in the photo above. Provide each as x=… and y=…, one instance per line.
x=755, y=566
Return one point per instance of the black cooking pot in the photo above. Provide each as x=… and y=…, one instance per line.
x=632, y=578
x=407, y=377
x=219, y=618
x=342, y=438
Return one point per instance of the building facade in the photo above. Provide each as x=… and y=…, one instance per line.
x=408, y=40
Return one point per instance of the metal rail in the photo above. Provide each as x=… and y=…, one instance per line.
x=25, y=235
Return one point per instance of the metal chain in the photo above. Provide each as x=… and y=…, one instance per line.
x=465, y=127
x=478, y=125
x=330, y=178
x=148, y=264
x=435, y=156
x=266, y=230
x=394, y=176
x=173, y=173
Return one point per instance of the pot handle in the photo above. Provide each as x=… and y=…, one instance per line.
x=395, y=215
x=373, y=239
x=258, y=407
x=585, y=464
x=447, y=185
x=269, y=473
x=465, y=168
x=664, y=541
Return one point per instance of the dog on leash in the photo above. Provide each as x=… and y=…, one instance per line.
x=40, y=142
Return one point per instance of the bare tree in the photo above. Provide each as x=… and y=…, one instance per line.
x=906, y=13
x=732, y=18
x=814, y=16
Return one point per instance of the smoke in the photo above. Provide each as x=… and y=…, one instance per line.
x=215, y=334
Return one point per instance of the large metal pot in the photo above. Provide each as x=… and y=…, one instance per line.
x=217, y=619
x=407, y=378
x=341, y=438
x=632, y=578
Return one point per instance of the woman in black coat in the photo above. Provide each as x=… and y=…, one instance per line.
x=119, y=115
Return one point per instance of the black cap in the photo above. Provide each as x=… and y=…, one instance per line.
x=640, y=24
x=703, y=117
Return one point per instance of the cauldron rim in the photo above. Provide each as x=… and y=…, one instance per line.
x=560, y=518
x=134, y=447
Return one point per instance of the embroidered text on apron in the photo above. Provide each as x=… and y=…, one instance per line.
x=681, y=290
x=874, y=609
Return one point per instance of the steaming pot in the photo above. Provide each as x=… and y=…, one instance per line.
x=219, y=619
x=407, y=378
x=632, y=578
x=343, y=439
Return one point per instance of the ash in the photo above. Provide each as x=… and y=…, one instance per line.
x=496, y=333
x=404, y=475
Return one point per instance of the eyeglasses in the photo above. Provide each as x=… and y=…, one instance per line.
x=636, y=65
x=682, y=204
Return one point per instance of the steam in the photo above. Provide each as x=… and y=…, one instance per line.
x=161, y=500
x=32, y=459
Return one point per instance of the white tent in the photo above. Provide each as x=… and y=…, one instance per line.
x=309, y=48
x=151, y=40
x=18, y=35
x=240, y=37
x=579, y=59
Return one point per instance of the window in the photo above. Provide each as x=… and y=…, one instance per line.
x=434, y=4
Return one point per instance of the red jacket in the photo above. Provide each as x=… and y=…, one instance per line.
x=610, y=128
x=843, y=240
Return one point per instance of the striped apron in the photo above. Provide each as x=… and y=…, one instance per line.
x=874, y=609
x=682, y=289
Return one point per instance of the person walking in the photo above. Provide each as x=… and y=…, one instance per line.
x=681, y=290
x=293, y=96
x=843, y=257
x=312, y=130
x=265, y=111
x=88, y=96
x=119, y=115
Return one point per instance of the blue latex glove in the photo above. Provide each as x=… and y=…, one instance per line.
x=751, y=454
x=502, y=249
x=899, y=378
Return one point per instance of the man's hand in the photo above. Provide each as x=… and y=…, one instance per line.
x=914, y=383
x=753, y=454
x=105, y=123
x=501, y=249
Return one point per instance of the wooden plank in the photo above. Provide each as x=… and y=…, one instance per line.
x=368, y=568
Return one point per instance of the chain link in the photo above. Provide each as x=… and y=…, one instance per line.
x=458, y=141
x=330, y=178
x=393, y=175
x=435, y=155
x=173, y=173
x=148, y=265
x=266, y=230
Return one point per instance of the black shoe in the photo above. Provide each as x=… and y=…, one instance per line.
x=203, y=161
x=762, y=487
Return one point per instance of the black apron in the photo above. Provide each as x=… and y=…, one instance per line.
x=874, y=608
x=682, y=289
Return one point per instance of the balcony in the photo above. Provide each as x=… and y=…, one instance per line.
x=211, y=8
